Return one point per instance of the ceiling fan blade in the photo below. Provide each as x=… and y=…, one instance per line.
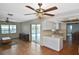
x=49, y=14
x=30, y=8
x=50, y=9
x=10, y=14
x=30, y=14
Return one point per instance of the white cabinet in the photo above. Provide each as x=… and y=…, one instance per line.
x=55, y=43
x=57, y=26
x=46, y=25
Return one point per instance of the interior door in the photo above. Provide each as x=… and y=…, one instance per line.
x=35, y=33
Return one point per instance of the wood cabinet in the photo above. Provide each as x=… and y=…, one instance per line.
x=24, y=37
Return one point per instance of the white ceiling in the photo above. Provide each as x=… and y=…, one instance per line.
x=19, y=9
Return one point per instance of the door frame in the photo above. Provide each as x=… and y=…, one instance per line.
x=31, y=32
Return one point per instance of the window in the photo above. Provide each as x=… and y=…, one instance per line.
x=6, y=29
x=0, y=29
x=71, y=27
x=12, y=28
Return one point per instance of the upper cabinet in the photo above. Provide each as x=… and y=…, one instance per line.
x=57, y=25
x=48, y=25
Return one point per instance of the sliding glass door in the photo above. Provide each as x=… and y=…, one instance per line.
x=35, y=32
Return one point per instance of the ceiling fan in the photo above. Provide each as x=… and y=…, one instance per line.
x=40, y=11
x=7, y=18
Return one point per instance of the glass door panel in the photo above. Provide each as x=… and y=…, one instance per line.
x=38, y=32
x=33, y=32
x=35, y=29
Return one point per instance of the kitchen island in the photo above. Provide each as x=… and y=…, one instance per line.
x=53, y=42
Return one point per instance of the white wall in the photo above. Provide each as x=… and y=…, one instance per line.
x=26, y=25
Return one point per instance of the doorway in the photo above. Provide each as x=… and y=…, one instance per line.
x=35, y=33
x=73, y=33
x=69, y=31
x=69, y=34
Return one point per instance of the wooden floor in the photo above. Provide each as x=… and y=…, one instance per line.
x=31, y=48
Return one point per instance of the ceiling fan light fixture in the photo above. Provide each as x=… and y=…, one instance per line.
x=40, y=15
